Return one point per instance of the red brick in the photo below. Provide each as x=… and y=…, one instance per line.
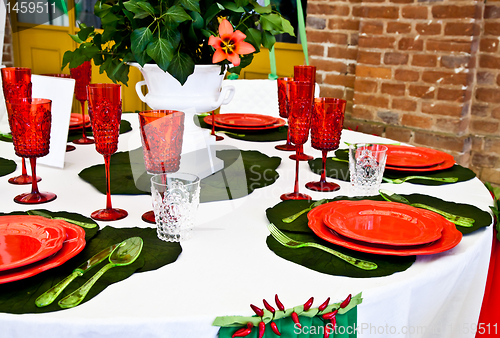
x=489, y=61
x=461, y=29
x=491, y=12
x=445, y=78
x=452, y=143
x=404, y=104
x=453, y=125
x=398, y=134
x=372, y=27
x=424, y=60
x=495, y=113
x=453, y=12
x=455, y=95
x=411, y=120
x=376, y=42
x=327, y=37
x=395, y=59
x=316, y=49
x=456, y=61
x=381, y=12
x=365, y=86
x=344, y=24
x=423, y=92
x=393, y=89
x=406, y=75
x=340, y=80
x=414, y=12
x=488, y=45
x=485, y=78
x=371, y=100
x=373, y=72
x=411, y=44
x=327, y=8
x=362, y=113
x=339, y=52
x=498, y=79
x=332, y=92
x=448, y=46
x=370, y=58
x=484, y=126
x=491, y=95
x=442, y=109
x=492, y=28
x=330, y=66
x=398, y=27
x=428, y=28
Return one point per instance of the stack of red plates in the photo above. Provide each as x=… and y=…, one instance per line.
x=417, y=159
x=384, y=228
x=76, y=121
x=248, y=122
x=32, y=244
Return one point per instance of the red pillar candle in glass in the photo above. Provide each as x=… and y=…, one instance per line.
x=283, y=109
x=162, y=134
x=30, y=121
x=16, y=84
x=82, y=75
x=105, y=101
x=326, y=128
x=299, y=121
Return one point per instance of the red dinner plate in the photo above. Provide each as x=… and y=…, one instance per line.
x=245, y=120
x=385, y=223
x=405, y=156
x=28, y=239
x=450, y=237
x=280, y=122
x=73, y=244
x=76, y=120
x=449, y=162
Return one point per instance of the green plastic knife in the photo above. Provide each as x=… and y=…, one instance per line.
x=44, y=214
x=51, y=294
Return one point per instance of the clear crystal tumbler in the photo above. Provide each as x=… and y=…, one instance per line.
x=176, y=197
x=366, y=167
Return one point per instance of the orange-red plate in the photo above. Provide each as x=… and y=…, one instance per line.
x=413, y=157
x=280, y=122
x=245, y=120
x=76, y=121
x=385, y=223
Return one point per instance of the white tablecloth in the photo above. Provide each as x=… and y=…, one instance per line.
x=226, y=265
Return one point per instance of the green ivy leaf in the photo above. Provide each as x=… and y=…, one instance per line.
x=198, y=21
x=192, y=5
x=85, y=32
x=268, y=40
x=181, y=67
x=76, y=38
x=160, y=51
x=140, y=39
x=263, y=10
x=271, y=22
x=101, y=9
x=212, y=11
x=147, y=7
x=287, y=26
x=177, y=14
x=233, y=7
x=254, y=36
x=7, y=166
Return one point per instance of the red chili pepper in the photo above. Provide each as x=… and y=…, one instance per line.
x=262, y=329
x=268, y=306
x=346, y=301
x=327, y=331
x=324, y=305
x=295, y=318
x=330, y=315
x=243, y=332
x=278, y=303
x=257, y=311
x=274, y=327
x=333, y=320
x=308, y=304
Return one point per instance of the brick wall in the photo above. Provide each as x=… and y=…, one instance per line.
x=408, y=69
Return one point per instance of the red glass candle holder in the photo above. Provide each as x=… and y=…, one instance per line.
x=82, y=75
x=284, y=109
x=105, y=101
x=326, y=128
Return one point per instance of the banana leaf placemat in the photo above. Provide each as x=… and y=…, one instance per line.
x=7, y=166
x=19, y=297
x=326, y=263
x=77, y=133
x=238, y=178
x=340, y=170
x=271, y=135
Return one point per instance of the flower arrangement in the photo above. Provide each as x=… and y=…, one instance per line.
x=176, y=35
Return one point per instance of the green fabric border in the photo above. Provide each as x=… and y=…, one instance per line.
x=7, y=166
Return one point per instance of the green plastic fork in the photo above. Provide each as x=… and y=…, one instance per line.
x=293, y=244
x=407, y=178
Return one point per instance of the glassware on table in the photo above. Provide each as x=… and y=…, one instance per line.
x=30, y=121
x=299, y=122
x=217, y=137
x=366, y=167
x=284, y=110
x=105, y=101
x=16, y=83
x=176, y=198
x=326, y=128
x=82, y=75
x=161, y=135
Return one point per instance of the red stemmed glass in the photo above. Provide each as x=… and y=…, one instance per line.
x=283, y=110
x=105, y=102
x=30, y=121
x=161, y=135
x=82, y=75
x=326, y=128
x=16, y=83
x=304, y=73
x=217, y=137
x=299, y=122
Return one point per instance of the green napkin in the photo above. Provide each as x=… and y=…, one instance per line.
x=237, y=179
x=340, y=170
x=77, y=133
x=7, y=166
x=270, y=135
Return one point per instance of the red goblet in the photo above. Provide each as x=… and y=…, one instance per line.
x=304, y=73
x=82, y=75
x=299, y=122
x=105, y=101
x=326, y=127
x=161, y=135
x=217, y=137
x=30, y=121
x=283, y=110
x=16, y=83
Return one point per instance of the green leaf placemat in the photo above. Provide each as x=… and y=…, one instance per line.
x=77, y=133
x=6, y=137
x=271, y=135
x=7, y=166
x=237, y=179
x=19, y=297
x=340, y=170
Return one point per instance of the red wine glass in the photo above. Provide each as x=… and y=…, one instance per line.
x=299, y=122
x=105, y=101
x=304, y=73
x=16, y=83
x=326, y=128
x=82, y=75
x=30, y=121
x=283, y=110
x=217, y=137
x=161, y=135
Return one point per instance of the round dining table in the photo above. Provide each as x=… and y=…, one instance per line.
x=226, y=264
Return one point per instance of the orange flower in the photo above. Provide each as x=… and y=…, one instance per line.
x=229, y=45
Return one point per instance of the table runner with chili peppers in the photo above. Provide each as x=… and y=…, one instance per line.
x=19, y=297
x=7, y=166
x=244, y=171
x=340, y=170
x=326, y=263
